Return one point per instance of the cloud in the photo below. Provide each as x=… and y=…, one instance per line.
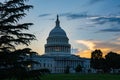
x=117, y=35
x=51, y=19
x=44, y=15
x=106, y=19
x=118, y=39
x=108, y=44
x=90, y=45
x=110, y=30
x=104, y=46
x=102, y=20
x=2, y=1
x=113, y=21
x=75, y=15
x=94, y=1
x=85, y=53
x=96, y=19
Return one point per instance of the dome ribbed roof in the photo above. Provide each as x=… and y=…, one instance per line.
x=57, y=30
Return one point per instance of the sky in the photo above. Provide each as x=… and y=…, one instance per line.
x=89, y=24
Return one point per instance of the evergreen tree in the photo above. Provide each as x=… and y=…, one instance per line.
x=12, y=35
x=11, y=31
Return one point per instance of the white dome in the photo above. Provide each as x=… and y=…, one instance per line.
x=57, y=41
x=57, y=31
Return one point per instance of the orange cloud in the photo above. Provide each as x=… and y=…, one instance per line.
x=91, y=45
x=87, y=53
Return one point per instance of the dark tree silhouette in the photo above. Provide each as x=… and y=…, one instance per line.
x=10, y=29
x=78, y=68
x=97, y=54
x=12, y=35
x=113, y=60
x=97, y=61
x=23, y=58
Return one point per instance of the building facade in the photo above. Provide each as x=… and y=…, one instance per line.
x=58, y=55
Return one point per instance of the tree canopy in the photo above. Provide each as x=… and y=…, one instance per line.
x=11, y=31
x=110, y=61
x=113, y=60
x=12, y=34
x=96, y=59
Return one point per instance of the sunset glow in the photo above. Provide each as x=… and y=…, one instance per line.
x=89, y=24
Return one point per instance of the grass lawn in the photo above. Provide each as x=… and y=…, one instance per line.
x=81, y=77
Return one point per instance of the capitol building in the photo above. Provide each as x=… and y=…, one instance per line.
x=57, y=56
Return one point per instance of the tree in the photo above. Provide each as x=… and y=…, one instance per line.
x=10, y=29
x=97, y=54
x=78, y=68
x=23, y=58
x=113, y=60
x=97, y=60
x=96, y=57
x=12, y=35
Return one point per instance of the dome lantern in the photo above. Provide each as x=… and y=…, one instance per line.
x=57, y=22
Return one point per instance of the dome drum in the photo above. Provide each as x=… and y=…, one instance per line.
x=57, y=40
x=52, y=45
x=61, y=49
